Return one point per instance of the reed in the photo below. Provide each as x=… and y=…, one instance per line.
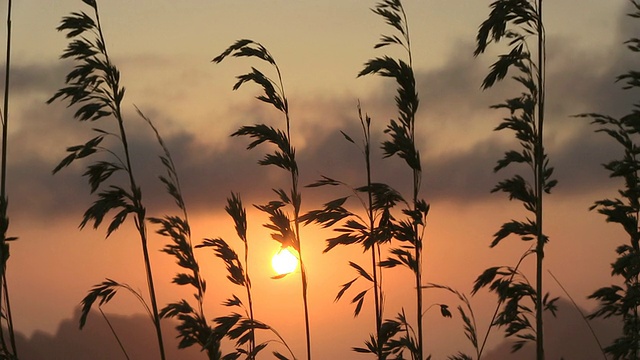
x=370, y=231
x=517, y=22
x=193, y=327
x=241, y=327
x=286, y=225
x=408, y=232
x=9, y=351
x=94, y=87
x=622, y=299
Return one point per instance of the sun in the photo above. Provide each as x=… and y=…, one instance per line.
x=284, y=262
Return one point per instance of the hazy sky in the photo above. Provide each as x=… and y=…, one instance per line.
x=163, y=49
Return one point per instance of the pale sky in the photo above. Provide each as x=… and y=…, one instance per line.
x=163, y=49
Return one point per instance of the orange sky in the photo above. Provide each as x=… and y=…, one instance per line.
x=163, y=49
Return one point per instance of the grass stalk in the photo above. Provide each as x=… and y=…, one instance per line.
x=140, y=213
x=516, y=270
x=370, y=231
x=194, y=327
x=516, y=21
x=95, y=84
x=622, y=299
x=403, y=144
x=286, y=225
x=376, y=271
x=252, y=340
x=113, y=331
x=582, y=315
x=4, y=246
x=236, y=327
x=539, y=185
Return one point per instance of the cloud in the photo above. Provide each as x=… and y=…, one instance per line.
x=455, y=135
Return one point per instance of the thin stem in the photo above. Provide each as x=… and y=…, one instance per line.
x=136, y=194
x=377, y=285
x=500, y=301
x=4, y=290
x=12, y=337
x=252, y=340
x=295, y=198
x=113, y=331
x=3, y=192
x=406, y=35
x=303, y=272
x=539, y=188
x=417, y=176
x=282, y=342
x=306, y=307
x=575, y=306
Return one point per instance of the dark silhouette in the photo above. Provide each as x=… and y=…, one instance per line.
x=96, y=341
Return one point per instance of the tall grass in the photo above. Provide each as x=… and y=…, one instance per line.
x=240, y=327
x=408, y=232
x=370, y=231
x=238, y=273
x=517, y=21
x=5, y=304
x=193, y=327
x=286, y=225
x=94, y=87
x=623, y=299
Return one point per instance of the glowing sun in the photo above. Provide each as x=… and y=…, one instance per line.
x=284, y=262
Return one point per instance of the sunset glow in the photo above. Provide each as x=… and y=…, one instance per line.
x=284, y=262
x=336, y=125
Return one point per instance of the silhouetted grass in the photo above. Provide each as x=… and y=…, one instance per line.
x=623, y=299
x=407, y=232
x=237, y=274
x=370, y=231
x=193, y=327
x=516, y=21
x=467, y=316
x=238, y=327
x=94, y=86
x=6, y=351
x=286, y=225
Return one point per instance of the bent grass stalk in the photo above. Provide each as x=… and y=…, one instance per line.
x=193, y=327
x=94, y=85
x=582, y=315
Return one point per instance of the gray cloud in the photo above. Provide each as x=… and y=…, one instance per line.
x=458, y=145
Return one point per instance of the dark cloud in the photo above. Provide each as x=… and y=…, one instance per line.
x=37, y=79
x=455, y=135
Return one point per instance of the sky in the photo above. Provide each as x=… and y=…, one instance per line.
x=164, y=49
